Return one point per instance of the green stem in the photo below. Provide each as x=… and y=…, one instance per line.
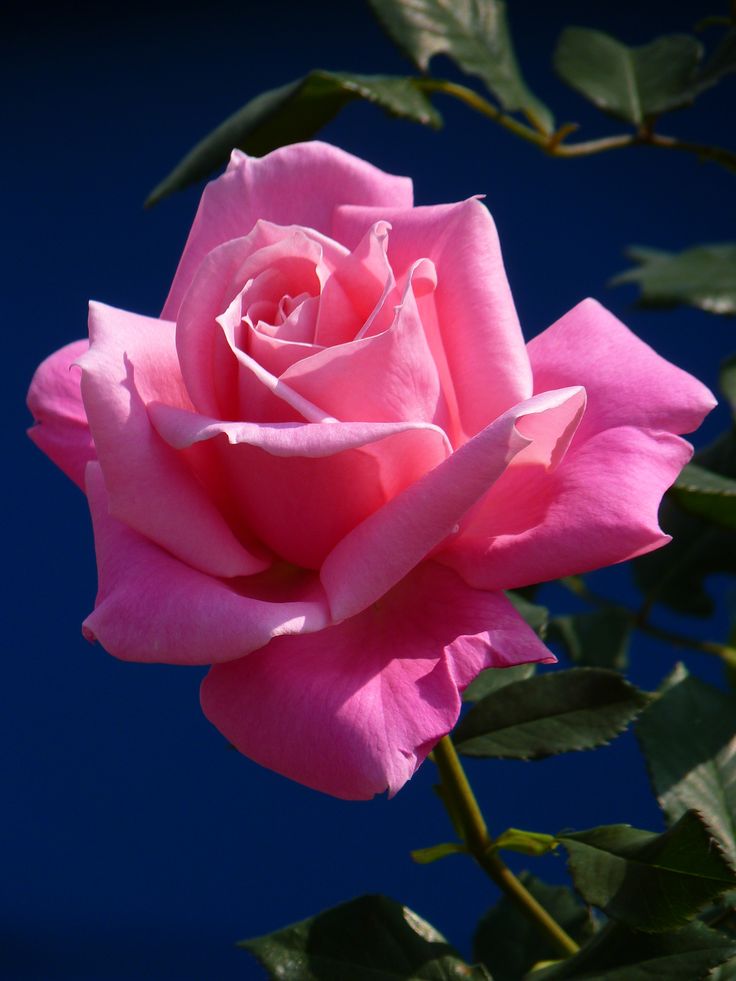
x=553, y=143
x=639, y=620
x=724, y=651
x=480, y=845
x=484, y=107
x=587, y=148
x=716, y=154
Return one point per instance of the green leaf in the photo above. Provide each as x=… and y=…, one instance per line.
x=633, y=84
x=721, y=63
x=369, y=939
x=292, y=113
x=676, y=575
x=475, y=35
x=525, y=842
x=425, y=856
x=493, y=679
x=619, y=954
x=688, y=737
x=721, y=914
x=552, y=713
x=703, y=277
x=727, y=381
x=598, y=639
x=535, y=615
x=649, y=882
x=726, y=972
x=702, y=492
x=509, y=944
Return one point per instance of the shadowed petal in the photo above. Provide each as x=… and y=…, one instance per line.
x=354, y=709
x=598, y=507
x=55, y=399
x=470, y=318
x=355, y=289
x=386, y=377
x=152, y=607
x=131, y=362
x=302, y=487
x=388, y=544
x=209, y=370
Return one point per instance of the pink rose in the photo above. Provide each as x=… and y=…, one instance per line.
x=320, y=467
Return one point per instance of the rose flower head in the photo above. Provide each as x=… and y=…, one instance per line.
x=319, y=469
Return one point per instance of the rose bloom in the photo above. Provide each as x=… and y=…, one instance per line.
x=318, y=470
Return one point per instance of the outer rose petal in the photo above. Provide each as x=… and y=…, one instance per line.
x=597, y=508
x=354, y=709
x=55, y=399
x=385, y=547
x=628, y=383
x=132, y=361
x=470, y=319
x=300, y=184
x=152, y=607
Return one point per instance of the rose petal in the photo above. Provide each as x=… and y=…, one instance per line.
x=471, y=319
x=628, y=383
x=209, y=370
x=387, y=377
x=181, y=429
x=276, y=355
x=354, y=709
x=152, y=607
x=388, y=544
x=297, y=327
x=598, y=507
x=132, y=361
x=280, y=187
x=55, y=400
x=355, y=289
x=261, y=395
x=303, y=488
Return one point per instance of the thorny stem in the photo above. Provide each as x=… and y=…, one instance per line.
x=480, y=845
x=639, y=620
x=553, y=143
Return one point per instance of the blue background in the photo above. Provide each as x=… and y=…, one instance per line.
x=136, y=844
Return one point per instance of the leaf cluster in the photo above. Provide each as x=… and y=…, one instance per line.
x=700, y=514
x=635, y=85
x=637, y=895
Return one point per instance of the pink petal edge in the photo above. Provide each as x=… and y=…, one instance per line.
x=385, y=547
x=132, y=361
x=471, y=320
x=280, y=188
x=354, y=709
x=627, y=382
x=599, y=507
x=55, y=400
x=152, y=607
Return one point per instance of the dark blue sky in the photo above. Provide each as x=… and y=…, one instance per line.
x=137, y=844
